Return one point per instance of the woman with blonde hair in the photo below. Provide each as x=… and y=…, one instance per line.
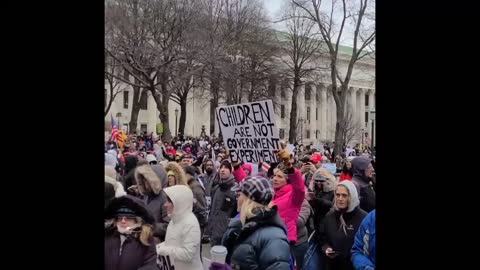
x=129, y=241
x=176, y=174
x=258, y=239
x=340, y=225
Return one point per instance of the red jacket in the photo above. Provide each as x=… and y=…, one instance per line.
x=289, y=199
x=345, y=176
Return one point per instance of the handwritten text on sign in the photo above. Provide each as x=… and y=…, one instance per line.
x=249, y=131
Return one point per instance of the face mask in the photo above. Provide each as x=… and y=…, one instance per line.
x=209, y=170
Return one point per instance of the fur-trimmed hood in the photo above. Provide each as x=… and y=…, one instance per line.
x=331, y=180
x=154, y=175
x=180, y=176
x=117, y=186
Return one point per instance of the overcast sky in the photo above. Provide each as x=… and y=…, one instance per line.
x=274, y=10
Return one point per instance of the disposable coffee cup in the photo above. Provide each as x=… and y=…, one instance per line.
x=218, y=254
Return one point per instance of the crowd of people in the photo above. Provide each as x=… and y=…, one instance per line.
x=164, y=200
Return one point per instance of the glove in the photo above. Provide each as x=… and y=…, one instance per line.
x=219, y=266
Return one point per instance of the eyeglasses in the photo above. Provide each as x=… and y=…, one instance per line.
x=127, y=218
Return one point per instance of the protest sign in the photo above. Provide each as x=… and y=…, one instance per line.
x=249, y=131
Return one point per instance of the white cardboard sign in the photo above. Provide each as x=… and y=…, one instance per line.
x=249, y=131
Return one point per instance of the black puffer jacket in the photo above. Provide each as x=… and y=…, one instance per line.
x=261, y=244
x=321, y=204
x=366, y=192
x=331, y=235
x=224, y=207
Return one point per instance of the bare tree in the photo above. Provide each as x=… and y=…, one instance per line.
x=147, y=41
x=352, y=127
x=300, y=47
x=113, y=86
x=333, y=22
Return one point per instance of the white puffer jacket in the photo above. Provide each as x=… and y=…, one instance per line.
x=182, y=240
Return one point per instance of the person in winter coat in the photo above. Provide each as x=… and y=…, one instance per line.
x=347, y=172
x=363, y=250
x=301, y=246
x=223, y=203
x=321, y=197
x=289, y=193
x=117, y=186
x=199, y=203
x=182, y=241
x=247, y=168
x=340, y=226
x=362, y=175
x=109, y=193
x=176, y=174
x=258, y=239
x=151, y=180
x=129, y=178
x=209, y=172
x=129, y=241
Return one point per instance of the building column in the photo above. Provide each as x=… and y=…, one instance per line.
x=371, y=107
x=330, y=113
x=362, y=107
x=323, y=112
x=313, y=118
x=352, y=101
x=301, y=114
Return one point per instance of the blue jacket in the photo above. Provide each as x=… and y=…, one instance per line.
x=260, y=244
x=363, y=250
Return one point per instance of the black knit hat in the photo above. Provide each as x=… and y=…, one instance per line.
x=256, y=188
x=227, y=164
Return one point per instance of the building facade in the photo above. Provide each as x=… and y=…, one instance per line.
x=315, y=103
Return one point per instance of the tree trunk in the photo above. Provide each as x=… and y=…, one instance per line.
x=108, y=104
x=183, y=116
x=139, y=96
x=340, y=129
x=292, y=134
x=214, y=89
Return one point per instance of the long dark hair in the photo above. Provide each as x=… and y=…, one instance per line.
x=345, y=169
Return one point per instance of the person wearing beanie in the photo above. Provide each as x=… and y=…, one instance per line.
x=223, y=203
x=258, y=238
x=340, y=226
x=151, y=180
x=182, y=241
x=129, y=243
x=176, y=174
x=362, y=169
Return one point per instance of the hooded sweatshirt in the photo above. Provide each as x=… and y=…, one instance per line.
x=182, y=241
x=366, y=192
x=156, y=177
x=339, y=229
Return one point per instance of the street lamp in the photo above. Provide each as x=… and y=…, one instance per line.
x=372, y=116
x=176, y=122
